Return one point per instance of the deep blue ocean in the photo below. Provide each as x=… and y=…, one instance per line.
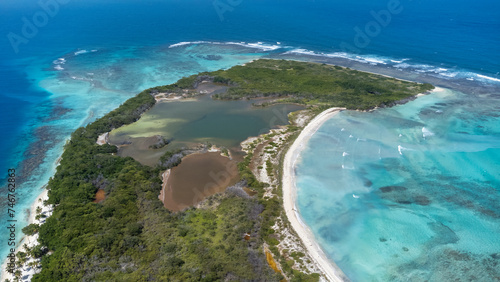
x=65, y=63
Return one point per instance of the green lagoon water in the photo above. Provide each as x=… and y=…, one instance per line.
x=193, y=121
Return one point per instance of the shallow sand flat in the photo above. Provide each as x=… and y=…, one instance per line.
x=329, y=268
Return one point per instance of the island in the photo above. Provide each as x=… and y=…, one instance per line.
x=193, y=181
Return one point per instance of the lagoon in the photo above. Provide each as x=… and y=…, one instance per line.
x=202, y=120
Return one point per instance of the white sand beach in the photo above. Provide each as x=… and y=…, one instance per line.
x=103, y=139
x=165, y=175
x=329, y=268
x=28, y=271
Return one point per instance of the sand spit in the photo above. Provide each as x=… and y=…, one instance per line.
x=329, y=268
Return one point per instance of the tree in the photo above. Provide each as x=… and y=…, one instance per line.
x=31, y=229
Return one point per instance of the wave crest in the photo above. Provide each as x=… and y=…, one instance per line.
x=258, y=45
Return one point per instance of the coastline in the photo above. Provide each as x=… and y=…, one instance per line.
x=165, y=175
x=328, y=267
x=330, y=270
x=27, y=271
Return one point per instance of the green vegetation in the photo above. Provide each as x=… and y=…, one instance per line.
x=271, y=211
x=297, y=255
x=160, y=143
x=319, y=84
x=31, y=229
x=183, y=83
x=305, y=83
x=130, y=236
x=269, y=167
x=224, y=151
x=171, y=159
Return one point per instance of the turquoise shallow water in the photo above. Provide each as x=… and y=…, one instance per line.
x=408, y=193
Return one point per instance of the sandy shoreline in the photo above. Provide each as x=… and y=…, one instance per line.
x=27, y=272
x=164, y=176
x=329, y=268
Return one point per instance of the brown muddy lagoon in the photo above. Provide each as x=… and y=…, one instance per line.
x=198, y=176
x=187, y=123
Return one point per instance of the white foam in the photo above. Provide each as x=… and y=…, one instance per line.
x=450, y=74
x=399, y=64
x=60, y=61
x=372, y=60
x=355, y=196
x=257, y=45
x=422, y=68
x=489, y=78
x=303, y=52
x=345, y=154
x=362, y=59
x=443, y=72
x=58, y=67
x=188, y=43
x=79, y=52
x=399, y=61
x=426, y=132
x=339, y=55
x=81, y=78
x=402, y=66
